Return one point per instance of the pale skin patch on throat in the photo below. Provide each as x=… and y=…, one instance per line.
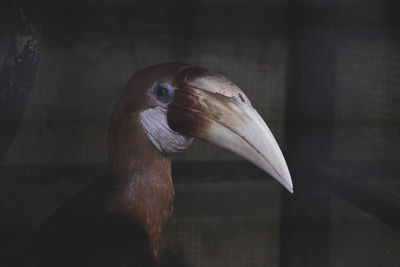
x=167, y=141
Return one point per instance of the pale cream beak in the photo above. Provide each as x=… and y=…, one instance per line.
x=214, y=109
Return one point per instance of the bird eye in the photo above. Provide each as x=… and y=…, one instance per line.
x=163, y=92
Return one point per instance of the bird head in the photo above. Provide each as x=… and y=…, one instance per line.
x=178, y=102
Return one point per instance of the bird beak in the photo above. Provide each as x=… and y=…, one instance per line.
x=209, y=106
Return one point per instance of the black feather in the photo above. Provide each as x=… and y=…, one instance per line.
x=82, y=233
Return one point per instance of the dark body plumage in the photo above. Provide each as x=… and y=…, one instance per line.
x=83, y=233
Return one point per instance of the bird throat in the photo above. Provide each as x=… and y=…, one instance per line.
x=167, y=141
x=144, y=189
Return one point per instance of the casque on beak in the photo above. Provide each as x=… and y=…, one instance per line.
x=209, y=106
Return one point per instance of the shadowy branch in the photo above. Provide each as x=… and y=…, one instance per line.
x=17, y=77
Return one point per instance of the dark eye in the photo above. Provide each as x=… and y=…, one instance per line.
x=163, y=92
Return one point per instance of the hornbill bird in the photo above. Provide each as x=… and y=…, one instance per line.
x=118, y=221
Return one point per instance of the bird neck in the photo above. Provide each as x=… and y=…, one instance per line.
x=143, y=190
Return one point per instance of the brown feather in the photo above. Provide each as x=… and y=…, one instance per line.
x=144, y=189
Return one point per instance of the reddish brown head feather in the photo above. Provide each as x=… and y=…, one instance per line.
x=144, y=189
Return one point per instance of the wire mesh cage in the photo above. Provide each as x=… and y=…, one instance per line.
x=324, y=75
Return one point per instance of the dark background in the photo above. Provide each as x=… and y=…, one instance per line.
x=325, y=76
